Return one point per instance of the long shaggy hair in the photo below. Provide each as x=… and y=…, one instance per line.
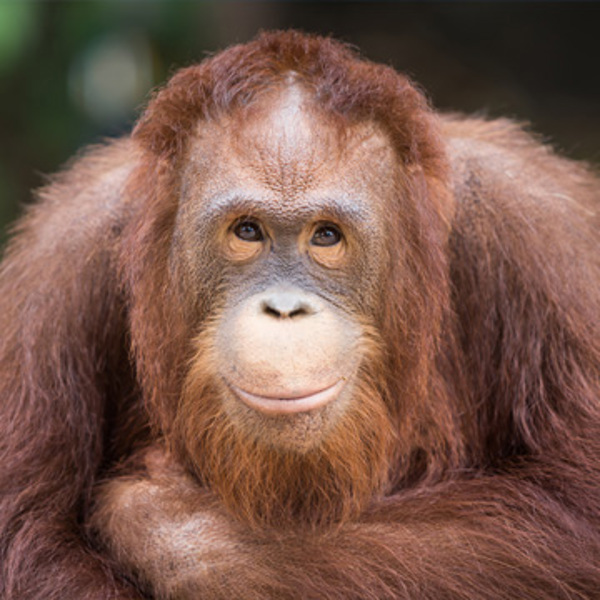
x=476, y=431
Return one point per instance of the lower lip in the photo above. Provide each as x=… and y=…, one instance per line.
x=287, y=406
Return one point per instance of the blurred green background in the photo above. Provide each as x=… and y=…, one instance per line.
x=72, y=73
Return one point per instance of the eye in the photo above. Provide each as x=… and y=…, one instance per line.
x=248, y=231
x=326, y=234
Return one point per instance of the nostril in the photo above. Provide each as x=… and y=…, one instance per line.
x=286, y=306
x=271, y=311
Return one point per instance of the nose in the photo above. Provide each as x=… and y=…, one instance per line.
x=287, y=305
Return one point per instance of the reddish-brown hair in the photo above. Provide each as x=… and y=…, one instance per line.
x=489, y=346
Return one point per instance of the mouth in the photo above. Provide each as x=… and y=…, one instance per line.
x=287, y=405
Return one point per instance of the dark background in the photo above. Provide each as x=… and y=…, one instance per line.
x=72, y=73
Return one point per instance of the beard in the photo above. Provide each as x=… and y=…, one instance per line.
x=311, y=469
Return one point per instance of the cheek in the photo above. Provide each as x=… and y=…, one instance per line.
x=372, y=268
x=361, y=285
x=196, y=273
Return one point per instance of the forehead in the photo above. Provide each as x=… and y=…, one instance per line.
x=287, y=154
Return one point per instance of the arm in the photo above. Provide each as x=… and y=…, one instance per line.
x=488, y=538
x=60, y=318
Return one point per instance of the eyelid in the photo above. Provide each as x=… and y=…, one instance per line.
x=242, y=218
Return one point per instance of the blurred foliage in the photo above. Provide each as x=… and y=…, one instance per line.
x=17, y=28
x=72, y=73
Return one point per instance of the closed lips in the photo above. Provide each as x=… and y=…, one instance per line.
x=283, y=404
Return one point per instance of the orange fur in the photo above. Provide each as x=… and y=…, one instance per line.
x=469, y=465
